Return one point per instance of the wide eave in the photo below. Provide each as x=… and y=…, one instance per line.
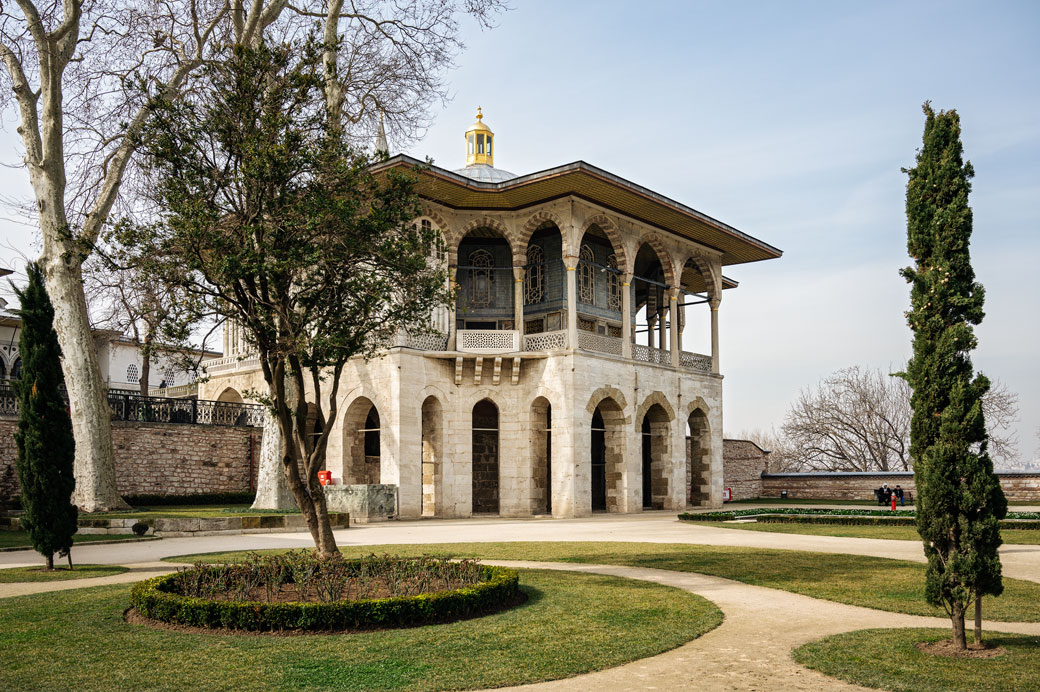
x=582, y=180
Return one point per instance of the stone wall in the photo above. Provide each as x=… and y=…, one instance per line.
x=1017, y=485
x=743, y=464
x=165, y=459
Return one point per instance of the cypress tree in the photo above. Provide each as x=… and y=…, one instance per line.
x=44, y=437
x=960, y=503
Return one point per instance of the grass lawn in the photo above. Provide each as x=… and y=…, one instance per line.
x=20, y=539
x=899, y=533
x=572, y=624
x=61, y=572
x=185, y=512
x=892, y=585
x=783, y=502
x=888, y=659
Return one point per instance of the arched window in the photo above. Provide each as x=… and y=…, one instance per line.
x=132, y=373
x=16, y=369
x=534, y=282
x=3, y=369
x=586, y=276
x=481, y=279
x=613, y=283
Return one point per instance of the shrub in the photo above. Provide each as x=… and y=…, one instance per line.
x=215, y=595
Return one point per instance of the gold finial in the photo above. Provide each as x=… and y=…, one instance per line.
x=478, y=142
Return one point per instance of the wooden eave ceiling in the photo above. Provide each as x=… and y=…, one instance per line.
x=594, y=185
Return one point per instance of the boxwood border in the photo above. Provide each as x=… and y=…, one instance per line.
x=880, y=519
x=154, y=599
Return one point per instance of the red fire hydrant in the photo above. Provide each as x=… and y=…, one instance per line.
x=893, y=502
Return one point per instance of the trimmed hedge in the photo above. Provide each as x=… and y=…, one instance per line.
x=200, y=499
x=154, y=599
x=882, y=519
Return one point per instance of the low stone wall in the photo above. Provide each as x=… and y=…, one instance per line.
x=364, y=503
x=164, y=459
x=743, y=463
x=1017, y=485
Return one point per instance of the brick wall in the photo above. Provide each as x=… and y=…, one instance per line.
x=743, y=465
x=164, y=459
x=860, y=486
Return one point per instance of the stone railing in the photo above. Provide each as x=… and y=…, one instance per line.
x=587, y=341
x=695, y=361
x=649, y=354
x=545, y=341
x=181, y=391
x=230, y=364
x=429, y=341
x=487, y=340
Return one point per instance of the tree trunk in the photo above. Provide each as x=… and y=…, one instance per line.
x=978, y=619
x=312, y=506
x=146, y=367
x=94, y=467
x=957, y=617
x=50, y=561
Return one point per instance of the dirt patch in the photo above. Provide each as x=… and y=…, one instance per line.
x=133, y=617
x=947, y=648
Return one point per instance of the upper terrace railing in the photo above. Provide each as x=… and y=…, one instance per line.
x=128, y=406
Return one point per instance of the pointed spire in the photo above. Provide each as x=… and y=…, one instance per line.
x=381, y=145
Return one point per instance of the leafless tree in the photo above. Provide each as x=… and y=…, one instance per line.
x=80, y=75
x=858, y=419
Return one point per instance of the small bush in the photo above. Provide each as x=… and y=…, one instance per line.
x=139, y=529
x=332, y=593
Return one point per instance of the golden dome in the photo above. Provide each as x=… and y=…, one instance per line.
x=478, y=143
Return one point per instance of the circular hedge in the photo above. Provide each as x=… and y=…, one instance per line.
x=157, y=599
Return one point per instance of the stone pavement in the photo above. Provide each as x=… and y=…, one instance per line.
x=750, y=651
x=1019, y=561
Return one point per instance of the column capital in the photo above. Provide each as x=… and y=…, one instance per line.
x=571, y=262
x=714, y=302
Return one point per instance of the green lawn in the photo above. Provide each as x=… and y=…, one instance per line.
x=572, y=624
x=892, y=585
x=13, y=575
x=888, y=660
x=20, y=539
x=899, y=533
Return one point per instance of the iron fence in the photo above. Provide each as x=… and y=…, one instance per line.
x=128, y=406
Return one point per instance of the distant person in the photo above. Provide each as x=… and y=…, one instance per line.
x=886, y=493
x=899, y=496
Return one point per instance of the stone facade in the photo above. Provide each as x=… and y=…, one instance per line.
x=167, y=459
x=1017, y=486
x=563, y=380
x=744, y=462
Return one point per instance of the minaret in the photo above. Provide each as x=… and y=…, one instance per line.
x=478, y=143
x=381, y=145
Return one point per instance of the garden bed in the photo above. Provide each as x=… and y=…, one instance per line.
x=844, y=517
x=299, y=592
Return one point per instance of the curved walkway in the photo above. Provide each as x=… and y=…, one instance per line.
x=750, y=651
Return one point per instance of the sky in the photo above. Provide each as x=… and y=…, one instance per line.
x=789, y=121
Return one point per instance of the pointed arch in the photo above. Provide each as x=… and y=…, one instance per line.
x=613, y=233
x=665, y=257
x=652, y=399
x=605, y=392
x=702, y=266
x=492, y=223
x=533, y=223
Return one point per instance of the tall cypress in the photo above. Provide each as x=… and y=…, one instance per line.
x=44, y=437
x=960, y=503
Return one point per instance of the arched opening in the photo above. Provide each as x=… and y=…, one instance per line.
x=545, y=285
x=361, y=430
x=655, y=451
x=607, y=456
x=695, y=291
x=599, y=291
x=3, y=368
x=230, y=396
x=649, y=304
x=485, y=457
x=485, y=282
x=698, y=459
x=541, y=456
x=432, y=459
x=16, y=369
